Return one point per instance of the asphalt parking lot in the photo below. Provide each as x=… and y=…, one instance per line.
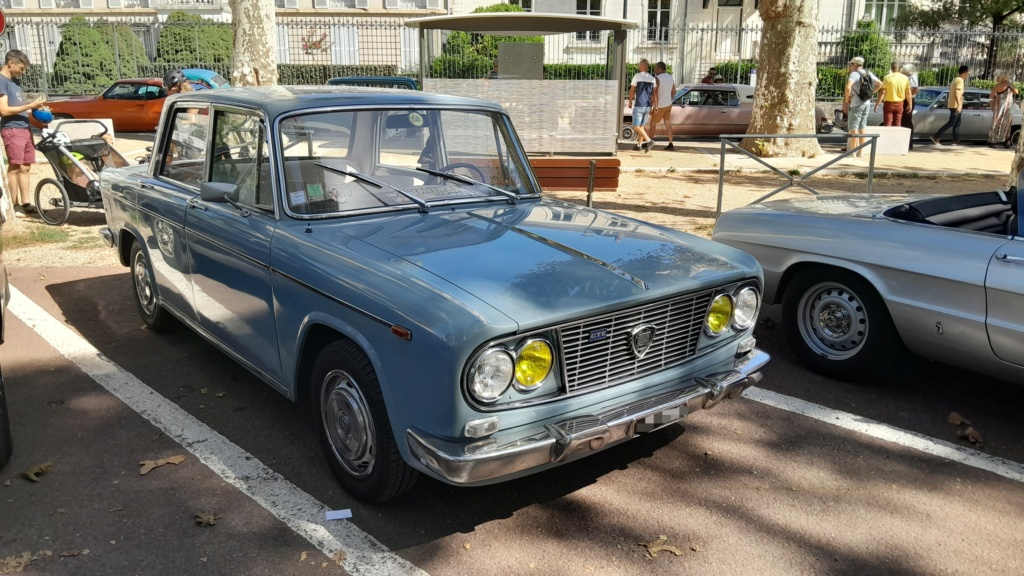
x=805, y=476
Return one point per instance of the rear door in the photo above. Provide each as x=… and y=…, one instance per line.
x=1004, y=290
x=977, y=117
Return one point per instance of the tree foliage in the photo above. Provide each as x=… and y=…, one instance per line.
x=868, y=42
x=188, y=38
x=467, y=55
x=85, y=62
x=129, y=52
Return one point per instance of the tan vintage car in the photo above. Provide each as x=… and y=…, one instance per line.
x=711, y=110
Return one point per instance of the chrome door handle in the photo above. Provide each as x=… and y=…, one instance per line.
x=193, y=203
x=1008, y=258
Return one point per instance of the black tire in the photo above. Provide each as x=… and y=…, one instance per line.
x=1014, y=138
x=627, y=132
x=52, y=202
x=6, y=442
x=352, y=424
x=838, y=325
x=147, y=298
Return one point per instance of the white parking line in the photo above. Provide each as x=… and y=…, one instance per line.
x=364, y=555
x=920, y=442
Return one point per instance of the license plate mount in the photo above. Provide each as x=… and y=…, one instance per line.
x=660, y=419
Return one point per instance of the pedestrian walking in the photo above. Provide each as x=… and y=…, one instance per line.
x=955, y=103
x=894, y=96
x=641, y=90
x=907, y=121
x=665, y=93
x=1001, y=101
x=861, y=84
x=15, y=132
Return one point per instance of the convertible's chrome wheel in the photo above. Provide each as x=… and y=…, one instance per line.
x=144, y=284
x=832, y=320
x=348, y=424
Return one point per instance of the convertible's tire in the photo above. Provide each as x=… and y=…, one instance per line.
x=1014, y=138
x=147, y=300
x=52, y=202
x=352, y=425
x=838, y=325
x=6, y=443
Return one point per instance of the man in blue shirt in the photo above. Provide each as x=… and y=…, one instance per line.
x=15, y=131
x=641, y=89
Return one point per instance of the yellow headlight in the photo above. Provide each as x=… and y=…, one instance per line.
x=719, y=315
x=533, y=363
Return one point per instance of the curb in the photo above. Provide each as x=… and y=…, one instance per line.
x=827, y=172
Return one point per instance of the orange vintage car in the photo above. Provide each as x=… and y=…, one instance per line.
x=133, y=104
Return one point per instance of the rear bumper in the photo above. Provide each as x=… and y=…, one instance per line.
x=108, y=236
x=555, y=442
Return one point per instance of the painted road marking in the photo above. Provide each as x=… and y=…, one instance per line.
x=364, y=555
x=920, y=442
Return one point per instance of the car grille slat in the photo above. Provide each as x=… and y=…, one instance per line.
x=609, y=359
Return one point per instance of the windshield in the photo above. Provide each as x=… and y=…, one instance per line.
x=359, y=160
x=927, y=97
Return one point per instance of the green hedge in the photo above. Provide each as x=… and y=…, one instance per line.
x=315, y=74
x=728, y=71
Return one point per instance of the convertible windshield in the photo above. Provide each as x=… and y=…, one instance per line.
x=343, y=161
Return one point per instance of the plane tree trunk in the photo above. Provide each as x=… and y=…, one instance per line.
x=787, y=79
x=254, y=60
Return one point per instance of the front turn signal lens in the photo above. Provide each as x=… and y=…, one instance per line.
x=719, y=315
x=533, y=364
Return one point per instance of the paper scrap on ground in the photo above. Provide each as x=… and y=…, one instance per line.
x=339, y=514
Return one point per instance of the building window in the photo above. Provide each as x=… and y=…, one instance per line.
x=730, y=3
x=526, y=5
x=658, y=20
x=884, y=11
x=588, y=8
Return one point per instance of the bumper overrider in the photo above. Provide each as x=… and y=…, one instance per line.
x=560, y=441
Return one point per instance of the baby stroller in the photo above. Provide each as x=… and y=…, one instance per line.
x=76, y=166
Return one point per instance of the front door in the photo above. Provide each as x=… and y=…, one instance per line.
x=230, y=245
x=1004, y=291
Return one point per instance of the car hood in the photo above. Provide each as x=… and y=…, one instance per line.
x=839, y=205
x=543, y=261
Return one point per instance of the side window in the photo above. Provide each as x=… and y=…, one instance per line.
x=240, y=156
x=185, y=150
x=716, y=98
x=121, y=92
x=972, y=101
x=691, y=98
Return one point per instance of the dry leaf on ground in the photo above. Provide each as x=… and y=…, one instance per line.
x=34, y=472
x=956, y=419
x=972, y=436
x=659, y=545
x=206, y=519
x=148, y=465
x=339, y=557
x=303, y=556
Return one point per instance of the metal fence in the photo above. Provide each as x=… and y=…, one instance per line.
x=78, y=59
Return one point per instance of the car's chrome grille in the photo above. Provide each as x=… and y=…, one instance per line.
x=598, y=351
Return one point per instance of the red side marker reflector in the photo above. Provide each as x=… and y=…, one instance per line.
x=403, y=333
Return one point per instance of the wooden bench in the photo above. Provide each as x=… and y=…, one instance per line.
x=573, y=172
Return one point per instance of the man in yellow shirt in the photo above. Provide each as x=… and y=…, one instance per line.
x=955, y=103
x=894, y=95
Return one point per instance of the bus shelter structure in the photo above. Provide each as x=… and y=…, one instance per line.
x=575, y=116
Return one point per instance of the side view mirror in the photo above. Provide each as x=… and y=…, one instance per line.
x=218, y=192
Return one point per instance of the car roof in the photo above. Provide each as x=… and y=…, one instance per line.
x=156, y=81
x=200, y=72
x=278, y=100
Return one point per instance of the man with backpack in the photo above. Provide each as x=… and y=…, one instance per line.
x=860, y=85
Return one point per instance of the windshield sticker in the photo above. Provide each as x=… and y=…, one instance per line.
x=298, y=197
x=314, y=192
x=415, y=119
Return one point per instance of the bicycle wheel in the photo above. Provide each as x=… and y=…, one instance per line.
x=52, y=202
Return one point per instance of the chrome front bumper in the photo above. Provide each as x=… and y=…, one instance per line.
x=563, y=440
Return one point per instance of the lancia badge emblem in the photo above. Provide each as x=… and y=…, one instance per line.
x=640, y=339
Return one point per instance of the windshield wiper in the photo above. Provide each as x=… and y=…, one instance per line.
x=424, y=206
x=466, y=180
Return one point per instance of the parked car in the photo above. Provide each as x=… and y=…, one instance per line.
x=398, y=82
x=931, y=113
x=862, y=278
x=201, y=78
x=6, y=441
x=438, y=314
x=712, y=110
x=134, y=105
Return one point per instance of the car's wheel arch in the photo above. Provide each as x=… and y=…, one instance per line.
x=125, y=239
x=315, y=335
x=795, y=270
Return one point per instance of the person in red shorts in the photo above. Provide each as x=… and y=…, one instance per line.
x=15, y=131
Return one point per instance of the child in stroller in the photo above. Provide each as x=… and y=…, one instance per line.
x=76, y=166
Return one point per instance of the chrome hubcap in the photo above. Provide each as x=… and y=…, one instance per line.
x=143, y=283
x=832, y=321
x=348, y=424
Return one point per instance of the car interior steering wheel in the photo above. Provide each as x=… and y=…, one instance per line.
x=479, y=174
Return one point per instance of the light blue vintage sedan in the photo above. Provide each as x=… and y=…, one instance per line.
x=388, y=258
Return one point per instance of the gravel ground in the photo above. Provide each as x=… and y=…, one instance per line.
x=677, y=188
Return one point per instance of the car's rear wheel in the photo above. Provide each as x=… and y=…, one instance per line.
x=627, y=132
x=1014, y=138
x=156, y=317
x=352, y=425
x=838, y=325
x=52, y=202
x=6, y=442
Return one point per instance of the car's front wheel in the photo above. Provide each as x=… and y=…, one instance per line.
x=1014, y=138
x=352, y=424
x=838, y=325
x=147, y=301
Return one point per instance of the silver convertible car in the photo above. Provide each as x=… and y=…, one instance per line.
x=388, y=258
x=860, y=277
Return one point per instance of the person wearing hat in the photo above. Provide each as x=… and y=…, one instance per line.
x=719, y=79
x=854, y=106
x=15, y=131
